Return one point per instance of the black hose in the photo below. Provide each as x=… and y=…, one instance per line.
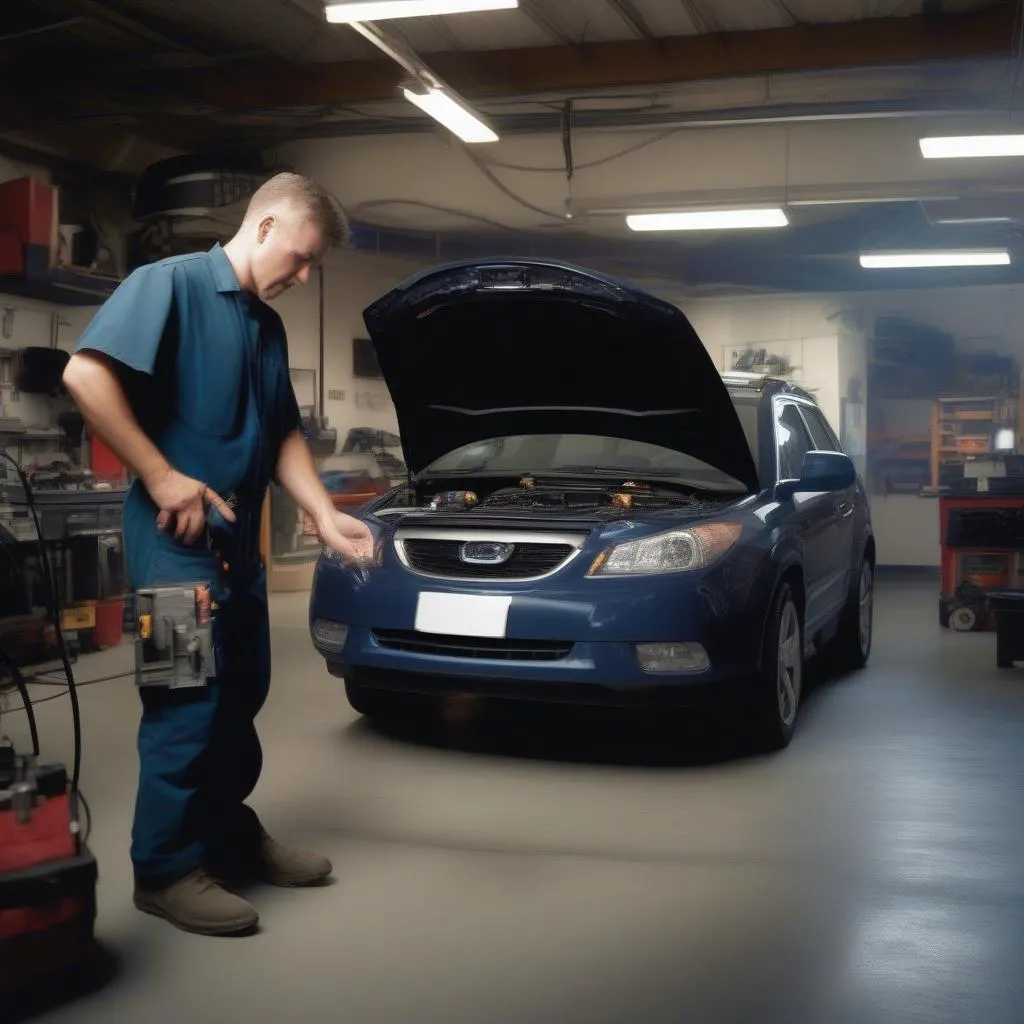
x=46, y=566
x=22, y=688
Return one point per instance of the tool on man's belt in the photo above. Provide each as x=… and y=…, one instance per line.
x=174, y=636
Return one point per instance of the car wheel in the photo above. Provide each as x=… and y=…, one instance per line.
x=779, y=687
x=851, y=646
x=367, y=702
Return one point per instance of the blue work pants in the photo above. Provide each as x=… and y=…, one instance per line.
x=199, y=752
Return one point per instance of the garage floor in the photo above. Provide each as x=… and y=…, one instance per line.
x=566, y=869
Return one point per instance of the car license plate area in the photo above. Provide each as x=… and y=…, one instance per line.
x=462, y=614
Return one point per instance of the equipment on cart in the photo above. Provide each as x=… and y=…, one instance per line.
x=969, y=608
x=982, y=538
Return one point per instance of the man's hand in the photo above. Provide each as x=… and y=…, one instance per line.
x=184, y=500
x=343, y=534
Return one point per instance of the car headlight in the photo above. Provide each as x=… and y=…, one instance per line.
x=681, y=550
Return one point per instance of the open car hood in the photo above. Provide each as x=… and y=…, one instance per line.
x=493, y=348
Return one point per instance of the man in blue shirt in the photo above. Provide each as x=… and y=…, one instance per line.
x=184, y=374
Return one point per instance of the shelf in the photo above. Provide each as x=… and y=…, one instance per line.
x=62, y=286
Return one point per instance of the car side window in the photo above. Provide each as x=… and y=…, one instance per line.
x=822, y=435
x=793, y=439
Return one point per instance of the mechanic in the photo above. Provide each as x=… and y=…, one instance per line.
x=183, y=372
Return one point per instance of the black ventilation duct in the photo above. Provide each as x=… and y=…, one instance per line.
x=195, y=186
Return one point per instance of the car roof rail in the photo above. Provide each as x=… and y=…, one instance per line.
x=740, y=379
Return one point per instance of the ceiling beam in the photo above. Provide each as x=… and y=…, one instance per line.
x=103, y=12
x=632, y=17
x=543, y=20
x=616, y=64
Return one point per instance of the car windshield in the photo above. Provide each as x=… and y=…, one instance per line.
x=590, y=454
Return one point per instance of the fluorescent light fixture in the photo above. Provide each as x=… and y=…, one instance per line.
x=962, y=258
x=961, y=221
x=382, y=10
x=965, y=146
x=453, y=115
x=708, y=220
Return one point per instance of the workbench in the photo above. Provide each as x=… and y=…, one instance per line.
x=82, y=533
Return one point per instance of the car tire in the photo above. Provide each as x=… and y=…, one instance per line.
x=368, y=703
x=775, y=698
x=850, y=648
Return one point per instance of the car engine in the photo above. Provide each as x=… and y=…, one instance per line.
x=530, y=497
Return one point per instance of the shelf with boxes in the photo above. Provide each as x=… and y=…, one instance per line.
x=41, y=258
x=970, y=428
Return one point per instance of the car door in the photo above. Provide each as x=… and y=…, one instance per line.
x=814, y=515
x=844, y=502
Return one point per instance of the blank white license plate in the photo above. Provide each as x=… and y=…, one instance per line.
x=462, y=614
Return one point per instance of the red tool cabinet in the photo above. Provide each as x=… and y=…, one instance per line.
x=982, y=538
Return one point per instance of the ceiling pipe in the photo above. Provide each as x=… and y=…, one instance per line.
x=633, y=120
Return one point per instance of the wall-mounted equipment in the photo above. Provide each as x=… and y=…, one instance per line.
x=40, y=371
x=364, y=360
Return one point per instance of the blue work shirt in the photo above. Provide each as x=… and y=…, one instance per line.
x=204, y=365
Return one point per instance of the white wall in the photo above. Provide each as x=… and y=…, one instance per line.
x=805, y=330
x=352, y=281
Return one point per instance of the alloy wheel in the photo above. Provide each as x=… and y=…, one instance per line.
x=790, y=664
x=866, y=600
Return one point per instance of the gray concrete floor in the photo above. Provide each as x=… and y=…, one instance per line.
x=561, y=868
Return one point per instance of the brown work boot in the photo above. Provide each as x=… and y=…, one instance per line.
x=280, y=865
x=197, y=903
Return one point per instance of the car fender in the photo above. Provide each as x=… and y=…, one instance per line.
x=784, y=557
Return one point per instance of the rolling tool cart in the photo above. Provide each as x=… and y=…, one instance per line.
x=47, y=874
x=982, y=554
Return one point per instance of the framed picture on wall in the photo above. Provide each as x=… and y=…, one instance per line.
x=364, y=360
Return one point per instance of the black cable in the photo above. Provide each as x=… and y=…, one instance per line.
x=88, y=816
x=46, y=567
x=22, y=688
x=63, y=693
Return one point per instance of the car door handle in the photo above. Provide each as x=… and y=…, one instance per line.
x=844, y=509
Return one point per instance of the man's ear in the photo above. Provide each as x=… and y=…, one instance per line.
x=266, y=223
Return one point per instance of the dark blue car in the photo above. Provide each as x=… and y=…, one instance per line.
x=593, y=514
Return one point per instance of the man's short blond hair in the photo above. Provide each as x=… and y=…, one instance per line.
x=307, y=195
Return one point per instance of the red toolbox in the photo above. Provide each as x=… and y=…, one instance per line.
x=29, y=208
x=47, y=922
x=47, y=875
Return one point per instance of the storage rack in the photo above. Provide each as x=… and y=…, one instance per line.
x=965, y=428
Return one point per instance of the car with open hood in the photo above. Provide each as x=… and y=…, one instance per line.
x=593, y=513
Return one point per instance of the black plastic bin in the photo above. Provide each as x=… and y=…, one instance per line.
x=1008, y=606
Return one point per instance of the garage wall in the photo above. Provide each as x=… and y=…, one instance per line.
x=809, y=332
x=351, y=282
x=980, y=320
x=39, y=324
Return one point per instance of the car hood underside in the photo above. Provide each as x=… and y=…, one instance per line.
x=496, y=348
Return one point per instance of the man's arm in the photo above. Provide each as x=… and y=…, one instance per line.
x=296, y=472
x=93, y=384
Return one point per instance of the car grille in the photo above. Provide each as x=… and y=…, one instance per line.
x=441, y=558
x=472, y=647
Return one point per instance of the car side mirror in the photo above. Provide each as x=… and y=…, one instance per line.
x=822, y=471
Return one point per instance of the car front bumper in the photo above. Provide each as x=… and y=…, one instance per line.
x=570, y=642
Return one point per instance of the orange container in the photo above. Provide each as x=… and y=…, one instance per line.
x=109, y=622
x=974, y=445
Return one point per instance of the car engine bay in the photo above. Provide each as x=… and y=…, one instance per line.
x=551, y=497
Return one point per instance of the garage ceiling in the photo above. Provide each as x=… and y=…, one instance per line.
x=187, y=71
x=603, y=107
